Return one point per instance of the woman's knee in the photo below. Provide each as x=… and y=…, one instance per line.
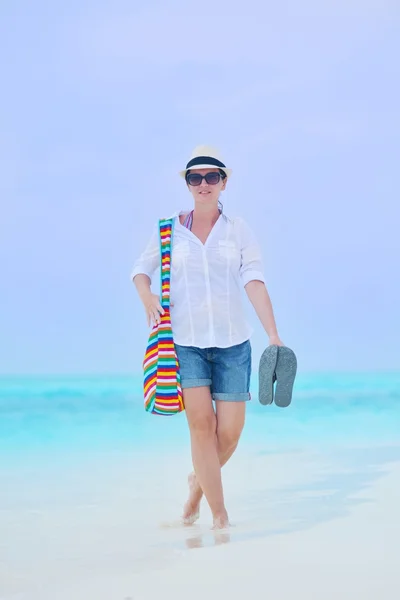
x=228, y=439
x=199, y=412
x=203, y=427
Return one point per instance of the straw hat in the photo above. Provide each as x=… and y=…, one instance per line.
x=205, y=157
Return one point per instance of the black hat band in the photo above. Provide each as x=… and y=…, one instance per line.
x=201, y=160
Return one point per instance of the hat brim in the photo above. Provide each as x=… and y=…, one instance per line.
x=227, y=171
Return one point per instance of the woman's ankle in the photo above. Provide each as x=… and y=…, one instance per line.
x=220, y=514
x=196, y=493
x=220, y=520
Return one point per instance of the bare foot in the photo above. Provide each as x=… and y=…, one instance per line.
x=191, y=510
x=221, y=521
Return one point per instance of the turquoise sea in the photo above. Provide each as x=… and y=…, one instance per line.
x=68, y=415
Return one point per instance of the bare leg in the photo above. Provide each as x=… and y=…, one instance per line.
x=192, y=506
x=230, y=421
x=191, y=510
x=203, y=434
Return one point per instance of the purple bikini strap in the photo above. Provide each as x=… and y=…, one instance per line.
x=188, y=222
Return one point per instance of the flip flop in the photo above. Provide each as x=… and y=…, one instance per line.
x=266, y=375
x=285, y=369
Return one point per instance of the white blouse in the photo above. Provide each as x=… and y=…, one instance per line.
x=207, y=281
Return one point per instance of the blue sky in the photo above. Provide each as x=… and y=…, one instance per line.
x=102, y=104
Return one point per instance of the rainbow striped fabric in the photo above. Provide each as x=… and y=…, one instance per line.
x=162, y=381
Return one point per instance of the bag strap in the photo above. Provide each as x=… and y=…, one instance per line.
x=166, y=227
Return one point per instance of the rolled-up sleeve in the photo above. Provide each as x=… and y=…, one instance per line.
x=149, y=260
x=251, y=267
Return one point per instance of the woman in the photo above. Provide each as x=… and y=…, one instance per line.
x=213, y=257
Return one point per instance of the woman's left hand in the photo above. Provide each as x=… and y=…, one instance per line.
x=275, y=340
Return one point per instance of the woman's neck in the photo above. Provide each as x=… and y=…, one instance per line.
x=206, y=215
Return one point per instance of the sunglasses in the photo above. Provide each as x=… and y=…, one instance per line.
x=211, y=178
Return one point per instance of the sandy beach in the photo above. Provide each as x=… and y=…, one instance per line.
x=311, y=524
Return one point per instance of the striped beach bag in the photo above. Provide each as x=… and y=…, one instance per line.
x=162, y=381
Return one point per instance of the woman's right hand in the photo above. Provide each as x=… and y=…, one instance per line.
x=153, y=308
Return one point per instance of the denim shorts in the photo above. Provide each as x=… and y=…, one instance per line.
x=226, y=370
